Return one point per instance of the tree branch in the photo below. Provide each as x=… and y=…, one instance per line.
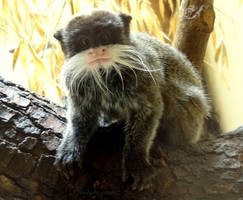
x=30, y=131
x=196, y=22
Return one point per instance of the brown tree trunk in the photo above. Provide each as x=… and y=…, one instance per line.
x=30, y=131
x=196, y=21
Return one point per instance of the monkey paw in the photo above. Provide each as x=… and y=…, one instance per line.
x=66, y=156
x=140, y=170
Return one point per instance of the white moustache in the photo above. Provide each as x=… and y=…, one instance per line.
x=122, y=56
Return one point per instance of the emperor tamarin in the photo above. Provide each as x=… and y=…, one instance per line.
x=117, y=74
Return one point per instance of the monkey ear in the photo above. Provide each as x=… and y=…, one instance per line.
x=125, y=18
x=58, y=35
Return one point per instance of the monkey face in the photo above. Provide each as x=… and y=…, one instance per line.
x=96, y=46
x=90, y=32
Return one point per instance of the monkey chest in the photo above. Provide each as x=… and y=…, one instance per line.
x=116, y=108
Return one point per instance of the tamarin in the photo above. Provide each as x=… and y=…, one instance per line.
x=117, y=74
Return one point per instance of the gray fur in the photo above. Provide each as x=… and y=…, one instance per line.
x=160, y=93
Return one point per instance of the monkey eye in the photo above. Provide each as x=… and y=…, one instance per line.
x=83, y=42
x=105, y=38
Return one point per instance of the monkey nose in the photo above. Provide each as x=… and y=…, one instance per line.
x=99, y=51
x=91, y=52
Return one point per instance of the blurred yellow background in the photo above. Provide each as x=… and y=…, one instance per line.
x=31, y=56
x=224, y=65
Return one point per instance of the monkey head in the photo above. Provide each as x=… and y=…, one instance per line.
x=94, y=45
x=93, y=34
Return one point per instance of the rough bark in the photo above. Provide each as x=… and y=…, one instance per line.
x=196, y=22
x=30, y=131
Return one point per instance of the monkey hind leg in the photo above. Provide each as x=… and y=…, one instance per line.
x=183, y=124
